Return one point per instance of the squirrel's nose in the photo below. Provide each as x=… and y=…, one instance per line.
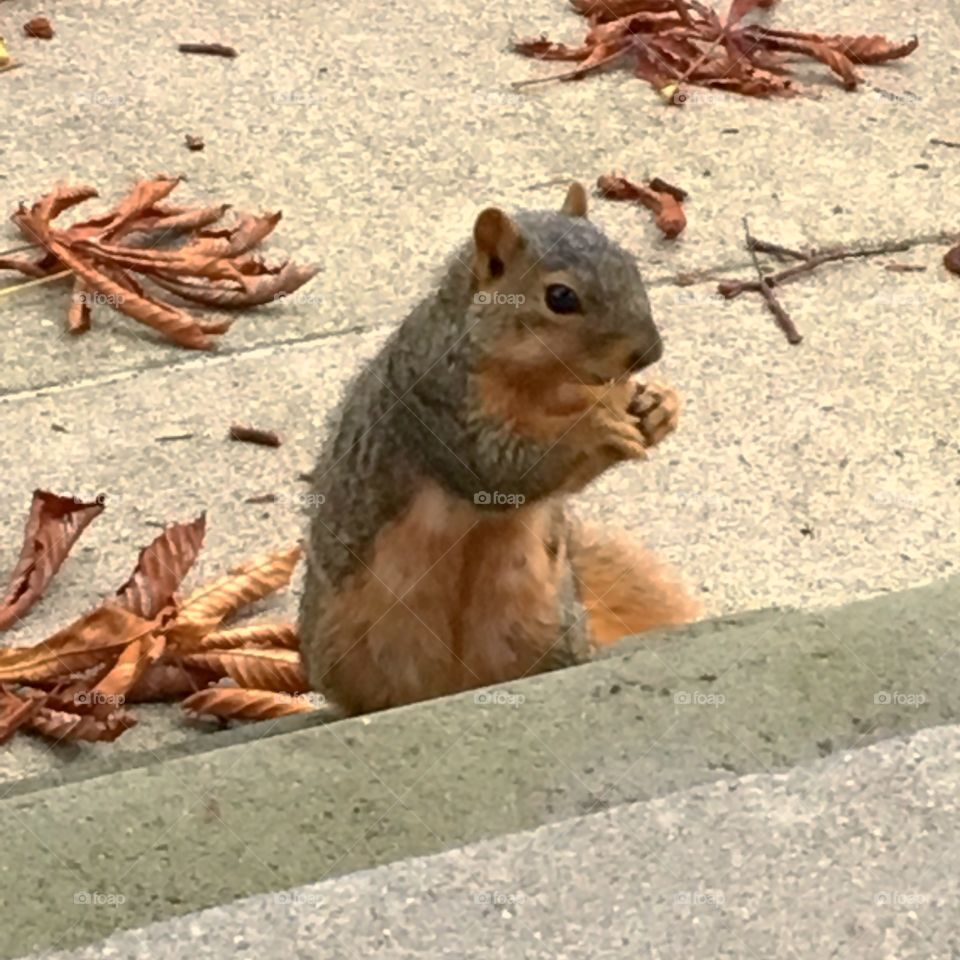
x=644, y=358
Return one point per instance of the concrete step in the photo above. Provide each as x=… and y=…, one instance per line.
x=853, y=856
x=719, y=700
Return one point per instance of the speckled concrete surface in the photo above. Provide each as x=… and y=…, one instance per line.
x=381, y=130
x=853, y=857
x=800, y=476
x=754, y=694
x=850, y=439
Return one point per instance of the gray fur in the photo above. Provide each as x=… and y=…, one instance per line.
x=406, y=415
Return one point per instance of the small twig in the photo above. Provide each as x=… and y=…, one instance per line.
x=6, y=291
x=904, y=268
x=733, y=288
x=211, y=49
x=262, y=498
x=265, y=438
x=773, y=304
x=12, y=65
x=762, y=246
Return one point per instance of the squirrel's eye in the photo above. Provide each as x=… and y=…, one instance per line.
x=561, y=299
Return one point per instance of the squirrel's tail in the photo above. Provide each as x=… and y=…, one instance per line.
x=625, y=589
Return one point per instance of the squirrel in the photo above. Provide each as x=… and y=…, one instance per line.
x=441, y=555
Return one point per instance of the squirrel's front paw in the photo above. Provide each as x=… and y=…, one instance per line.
x=657, y=408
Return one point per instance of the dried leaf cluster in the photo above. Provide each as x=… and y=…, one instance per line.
x=110, y=260
x=145, y=643
x=672, y=43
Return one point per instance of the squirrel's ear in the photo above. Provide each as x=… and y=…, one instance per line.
x=576, y=203
x=496, y=239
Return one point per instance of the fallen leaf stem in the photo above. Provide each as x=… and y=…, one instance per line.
x=6, y=291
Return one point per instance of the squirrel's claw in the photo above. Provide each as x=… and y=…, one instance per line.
x=657, y=408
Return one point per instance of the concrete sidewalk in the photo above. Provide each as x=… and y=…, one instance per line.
x=801, y=477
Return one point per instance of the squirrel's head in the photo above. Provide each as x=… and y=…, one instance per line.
x=552, y=293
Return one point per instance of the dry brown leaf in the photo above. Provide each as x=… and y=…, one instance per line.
x=29, y=268
x=231, y=703
x=15, y=712
x=53, y=526
x=62, y=726
x=60, y=198
x=93, y=639
x=209, y=269
x=161, y=567
x=248, y=232
x=253, y=580
x=544, y=49
x=137, y=202
x=665, y=205
x=78, y=318
x=675, y=42
x=866, y=50
x=841, y=65
x=259, y=669
x=872, y=50
x=258, y=635
x=273, y=284
x=167, y=681
x=130, y=666
x=173, y=323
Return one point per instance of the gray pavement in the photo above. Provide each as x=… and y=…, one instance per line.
x=800, y=477
x=852, y=857
x=743, y=694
